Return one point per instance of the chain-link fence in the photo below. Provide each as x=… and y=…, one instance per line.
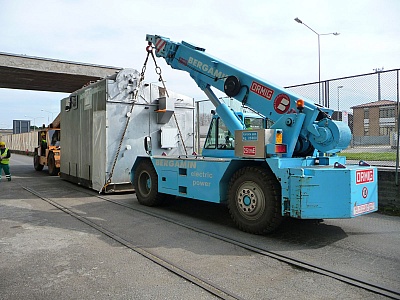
x=368, y=103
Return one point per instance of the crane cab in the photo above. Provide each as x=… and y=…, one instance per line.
x=220, y=142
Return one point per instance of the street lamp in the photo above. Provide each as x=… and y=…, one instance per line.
x=319, y=54
x=34, y=121
x=377, y=70
x=49, y=112
x=338, y=88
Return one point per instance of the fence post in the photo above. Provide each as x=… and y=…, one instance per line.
x=398, y=133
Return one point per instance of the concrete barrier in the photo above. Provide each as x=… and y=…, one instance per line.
x=388, y=192
x=23, y=143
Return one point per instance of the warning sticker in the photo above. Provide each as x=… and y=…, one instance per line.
x=282, y=103
x=363, y=208
x=183, y=61
x=160, y=44
x=249, y=136
x=249, y=150
x=364, y=192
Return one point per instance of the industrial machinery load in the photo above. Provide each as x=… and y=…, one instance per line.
x=104, y=125
x=261, y=172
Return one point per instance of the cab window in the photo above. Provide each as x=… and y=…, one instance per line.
x=226, y=139
x=254, y=123
x=211, y=136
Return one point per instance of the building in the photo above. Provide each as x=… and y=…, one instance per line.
x=374, y=122
x=21, y=126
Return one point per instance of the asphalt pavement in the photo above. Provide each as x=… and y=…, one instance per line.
x=48, y=254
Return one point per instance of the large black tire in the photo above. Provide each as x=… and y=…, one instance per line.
x=51, y=165
x=254, y=200
x=36, y=164
x=146, y=184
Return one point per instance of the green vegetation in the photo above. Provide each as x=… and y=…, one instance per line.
x=390, y=210
x=368, y=156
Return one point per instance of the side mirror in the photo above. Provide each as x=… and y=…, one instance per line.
x=147, y=145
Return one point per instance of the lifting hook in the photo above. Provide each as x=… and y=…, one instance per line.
x=149, y=47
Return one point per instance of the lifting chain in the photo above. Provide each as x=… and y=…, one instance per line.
x=134, y=98
x=149, y=50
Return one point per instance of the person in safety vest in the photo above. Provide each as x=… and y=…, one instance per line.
x=5, y=160
x=43, y=144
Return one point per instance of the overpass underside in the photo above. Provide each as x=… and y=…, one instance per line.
x=41, y=74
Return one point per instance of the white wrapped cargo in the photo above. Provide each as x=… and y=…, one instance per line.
x=94, y=119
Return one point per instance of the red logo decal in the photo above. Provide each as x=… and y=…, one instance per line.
x=364, y=176
x=282, y=103
x=364, y=192
x=261, y=90
x=183, y=61
x=249, y=150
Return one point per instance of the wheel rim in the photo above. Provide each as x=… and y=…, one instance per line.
x=144, y=183
x=250, y=200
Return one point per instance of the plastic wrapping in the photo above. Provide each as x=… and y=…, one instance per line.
x=91, y=130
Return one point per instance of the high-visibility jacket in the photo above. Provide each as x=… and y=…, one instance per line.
x=5, y=156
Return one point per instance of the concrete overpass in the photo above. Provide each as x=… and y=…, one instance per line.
x=43, y=74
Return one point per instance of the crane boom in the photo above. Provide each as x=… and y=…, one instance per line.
x=309, y=126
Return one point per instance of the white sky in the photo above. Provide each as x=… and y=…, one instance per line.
x=259, y=36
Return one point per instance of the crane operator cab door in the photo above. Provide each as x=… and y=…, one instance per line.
x=220, y=142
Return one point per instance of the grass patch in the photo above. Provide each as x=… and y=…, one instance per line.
x=390, y=210
x=379, y=156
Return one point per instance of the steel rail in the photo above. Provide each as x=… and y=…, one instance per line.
x=374, y=288
x=181, y=272
x=387, y=292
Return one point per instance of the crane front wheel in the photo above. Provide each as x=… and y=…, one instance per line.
x=36, y=162
x=51, y=165
x=146, y=184
x=254, y=200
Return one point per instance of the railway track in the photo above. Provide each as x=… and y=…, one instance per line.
x=203, y=283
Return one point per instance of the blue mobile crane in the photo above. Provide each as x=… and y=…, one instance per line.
x=262, y=173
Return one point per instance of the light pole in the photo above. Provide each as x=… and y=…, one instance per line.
x=338, y=88
x=319, y=54
x=34, y=121
x=377, y=70
x=49, y=112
